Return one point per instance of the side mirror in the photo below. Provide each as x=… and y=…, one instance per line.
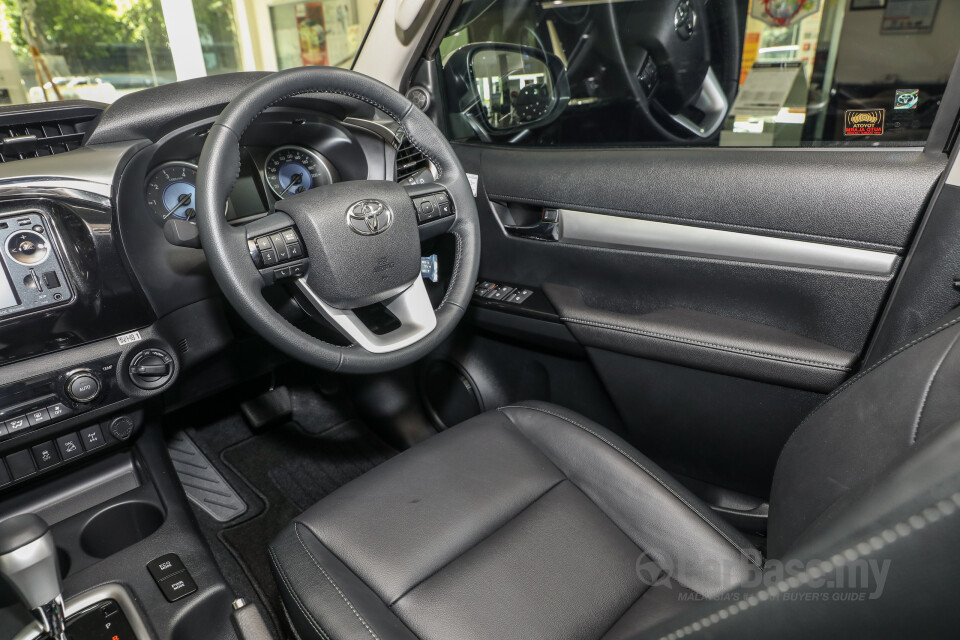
x=504, y=89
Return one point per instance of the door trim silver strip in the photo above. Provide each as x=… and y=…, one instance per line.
x=601, y=230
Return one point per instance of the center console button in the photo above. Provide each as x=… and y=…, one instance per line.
x=40, y=416
x=17, y=424
x=91, y=437
x=165, y=566
x=69, y=446
x=21, y=464
x=58, y=411
x=45, y=455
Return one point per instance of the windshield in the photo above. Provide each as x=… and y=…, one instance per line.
x=102, y=49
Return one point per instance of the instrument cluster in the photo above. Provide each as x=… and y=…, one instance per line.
x=265, y=176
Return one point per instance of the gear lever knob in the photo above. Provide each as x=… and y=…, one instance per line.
x=28, y=561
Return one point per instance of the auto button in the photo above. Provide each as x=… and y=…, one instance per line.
x=82, y=386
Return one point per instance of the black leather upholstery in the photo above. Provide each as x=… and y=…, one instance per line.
x=532, y=522
x=525, y=522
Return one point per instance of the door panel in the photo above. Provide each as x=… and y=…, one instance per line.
x=711, y=346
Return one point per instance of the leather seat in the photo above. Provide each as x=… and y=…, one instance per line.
x=534, y=522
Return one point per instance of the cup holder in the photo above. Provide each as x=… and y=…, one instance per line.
x=119, y=526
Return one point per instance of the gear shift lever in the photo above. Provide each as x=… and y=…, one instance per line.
x=28, y=561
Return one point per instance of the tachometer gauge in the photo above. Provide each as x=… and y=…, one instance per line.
x=172, y=190
x=293, y=169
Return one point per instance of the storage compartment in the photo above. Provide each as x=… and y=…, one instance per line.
x=119, y=526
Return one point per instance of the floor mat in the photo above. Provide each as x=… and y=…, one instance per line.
x=291, y=468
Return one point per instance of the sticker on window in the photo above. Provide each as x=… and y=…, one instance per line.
x=906, y=99
x=863, y=122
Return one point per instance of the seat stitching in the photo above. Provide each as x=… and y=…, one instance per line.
x=926, y=392
x=936, y=512
x=645, y=470
x=722, y=347
x=843, y=387
x=296, y=530
x=456, y=270
x=283, y=576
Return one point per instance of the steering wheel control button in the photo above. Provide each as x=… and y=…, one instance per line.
x=281, y=273
x=38, y=417
x=45, y=455
x=27, y=247
x=276, y=248
x=280, y=247
x=151, y=369
x=432, y=207
x=69, y=446
x=92, y=437
x=83, y=386
x=121, y=428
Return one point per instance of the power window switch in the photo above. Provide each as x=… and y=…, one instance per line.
x=519, y=296
x=484, y=288
x=550, y=215
x=500, y=292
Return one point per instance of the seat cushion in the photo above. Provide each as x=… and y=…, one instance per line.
x=526, y=522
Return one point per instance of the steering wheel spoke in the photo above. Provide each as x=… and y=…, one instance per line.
x=401, y=321
x=711, y=102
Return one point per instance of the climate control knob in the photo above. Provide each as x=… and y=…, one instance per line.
x=82, y=386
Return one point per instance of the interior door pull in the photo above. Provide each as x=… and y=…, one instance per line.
x=546, y=229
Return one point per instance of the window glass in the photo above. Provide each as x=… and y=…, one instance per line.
x=101, y=49
x=698, y=72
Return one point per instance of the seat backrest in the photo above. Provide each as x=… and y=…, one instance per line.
x=861, y=429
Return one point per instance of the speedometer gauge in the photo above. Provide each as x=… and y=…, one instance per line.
x=172, y=190
x=293, y=169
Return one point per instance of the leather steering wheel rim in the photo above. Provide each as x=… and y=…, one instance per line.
x=225, y=244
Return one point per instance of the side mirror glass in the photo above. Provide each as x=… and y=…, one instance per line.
x=506, y=88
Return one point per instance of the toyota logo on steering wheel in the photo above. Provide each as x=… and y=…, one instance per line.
x=369, y=217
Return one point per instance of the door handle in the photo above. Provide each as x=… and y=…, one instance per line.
x=546, y=229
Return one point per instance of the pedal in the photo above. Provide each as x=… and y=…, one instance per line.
x=267, y=409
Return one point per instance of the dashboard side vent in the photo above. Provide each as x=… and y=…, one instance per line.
x=410, y=161
x=37, y=133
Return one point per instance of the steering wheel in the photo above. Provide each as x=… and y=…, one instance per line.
x=359, y=241
x=663, y=52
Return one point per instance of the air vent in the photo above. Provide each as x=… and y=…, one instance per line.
x=38, y=134
x=410, y=161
